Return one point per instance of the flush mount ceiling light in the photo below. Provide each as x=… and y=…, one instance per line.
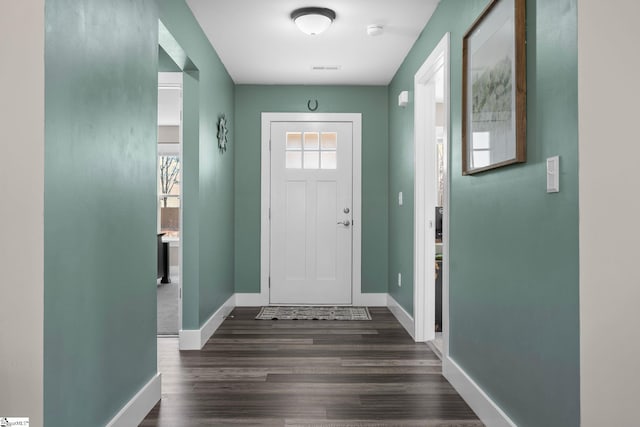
x=374, y=30
x=313, y=20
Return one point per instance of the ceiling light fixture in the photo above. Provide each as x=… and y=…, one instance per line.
x=313, y=20
x=374, y=30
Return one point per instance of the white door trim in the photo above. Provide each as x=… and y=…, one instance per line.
x=424, y=188
x=168, y=80
x=265, y=194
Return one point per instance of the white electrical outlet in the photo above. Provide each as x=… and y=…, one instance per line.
x=399, y=280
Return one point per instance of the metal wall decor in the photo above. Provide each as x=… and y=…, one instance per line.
x=314, y=107
x=222, y=133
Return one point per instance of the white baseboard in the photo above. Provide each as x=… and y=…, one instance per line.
x=139, y=406
x=370, y=300
x=195, y=339
x=259, y=300
x=405, y=319
x=486, y=409
x=252, y=300
x=189, y=339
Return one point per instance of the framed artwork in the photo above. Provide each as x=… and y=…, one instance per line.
x=494, y=88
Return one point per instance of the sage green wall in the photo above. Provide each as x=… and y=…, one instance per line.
x=401, y=121
x=101, y=62
x=514, y=248
x=372, y=102
x=166, y=63
x=209, y=201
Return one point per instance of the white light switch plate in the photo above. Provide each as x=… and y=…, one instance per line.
x=400, y=198
x=553, y=174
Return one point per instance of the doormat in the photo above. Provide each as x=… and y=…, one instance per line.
x=313, y=313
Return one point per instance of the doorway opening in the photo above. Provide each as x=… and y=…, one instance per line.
x=169, y=211
x=431, y=263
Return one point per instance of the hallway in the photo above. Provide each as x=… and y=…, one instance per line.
x=303, y=373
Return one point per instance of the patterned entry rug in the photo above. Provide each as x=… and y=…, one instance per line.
x=313, y=313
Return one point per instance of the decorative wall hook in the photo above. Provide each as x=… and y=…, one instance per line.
x=310, y=107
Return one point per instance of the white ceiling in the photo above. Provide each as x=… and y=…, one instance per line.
x=259, y=44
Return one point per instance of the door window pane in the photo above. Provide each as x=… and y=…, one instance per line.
x=329, y=140
x=294, y=160
x=294, y=141
x=312, y=160
x=311, y=141
x=328, y=160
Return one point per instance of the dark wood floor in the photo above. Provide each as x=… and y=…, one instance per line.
x=306, y=373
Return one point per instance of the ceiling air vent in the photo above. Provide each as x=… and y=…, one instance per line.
x=325, y=67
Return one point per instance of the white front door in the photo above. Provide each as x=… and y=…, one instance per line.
x=311, y=212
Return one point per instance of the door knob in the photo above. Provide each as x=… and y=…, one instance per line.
x=345, y=223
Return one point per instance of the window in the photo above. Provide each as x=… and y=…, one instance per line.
x=169, y=194
x=311, y=150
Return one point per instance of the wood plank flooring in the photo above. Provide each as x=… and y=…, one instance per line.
x=306, y=373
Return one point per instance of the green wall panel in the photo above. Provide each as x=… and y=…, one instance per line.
x=101, y=62
x=190, y=196
x=372, y=102
x=514, y=248
x=210, y=207
x=165, y=63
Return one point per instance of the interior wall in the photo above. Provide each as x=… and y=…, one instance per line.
x=372, y=102
x=514, y=325
x=101, y=88
x=453, y=16
x=208, y=199
x=609, y=212
x=22, y=249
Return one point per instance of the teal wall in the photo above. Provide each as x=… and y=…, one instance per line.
x=166, y=63
x=208, y=198
x=101, y=62
x=372, y=102
x=514, y=248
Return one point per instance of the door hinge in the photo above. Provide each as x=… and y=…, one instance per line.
x=269, y=282
x=269, y=213
x=269, y=145
x=181, y=293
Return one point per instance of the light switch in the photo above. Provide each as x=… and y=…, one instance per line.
x=400, y=198
x=553, y=174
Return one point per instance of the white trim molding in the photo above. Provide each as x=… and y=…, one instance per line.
x=486, y=409
x=405, y=319
x=140, y=405
x=252, y=300
x=425, y=193
x=259, y=300
x=195, y=339
x=370, y=300
x=265, y=192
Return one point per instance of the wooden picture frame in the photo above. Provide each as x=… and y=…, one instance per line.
x=494, y=117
